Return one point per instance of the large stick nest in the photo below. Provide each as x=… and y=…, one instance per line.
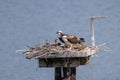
x=57, y=51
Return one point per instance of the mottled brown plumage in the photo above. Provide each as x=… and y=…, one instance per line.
x=68, y=40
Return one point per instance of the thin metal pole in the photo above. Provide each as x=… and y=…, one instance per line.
x=92, y=27
x=92, y=31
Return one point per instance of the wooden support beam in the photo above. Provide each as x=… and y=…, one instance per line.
x=65, y=73
x=58, y=73
x=63, y=62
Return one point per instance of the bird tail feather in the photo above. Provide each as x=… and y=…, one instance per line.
x=82, y=39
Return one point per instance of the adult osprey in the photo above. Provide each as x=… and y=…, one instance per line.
x=68, y=39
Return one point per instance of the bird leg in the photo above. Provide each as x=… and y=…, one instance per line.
x=67, y=43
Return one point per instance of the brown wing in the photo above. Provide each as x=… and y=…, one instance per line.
x=73, y=39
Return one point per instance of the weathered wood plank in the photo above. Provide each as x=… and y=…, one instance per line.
x=63, y=62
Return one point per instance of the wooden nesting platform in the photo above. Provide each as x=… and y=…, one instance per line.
x=50, y=55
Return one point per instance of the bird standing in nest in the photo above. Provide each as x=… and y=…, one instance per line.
x=69, y=40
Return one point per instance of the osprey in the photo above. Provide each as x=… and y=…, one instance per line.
x=68, y=39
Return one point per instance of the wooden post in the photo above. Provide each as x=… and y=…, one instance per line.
x=58, y=73
x=65, y=73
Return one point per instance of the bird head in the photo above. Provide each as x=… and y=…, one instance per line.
x=60, y=33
